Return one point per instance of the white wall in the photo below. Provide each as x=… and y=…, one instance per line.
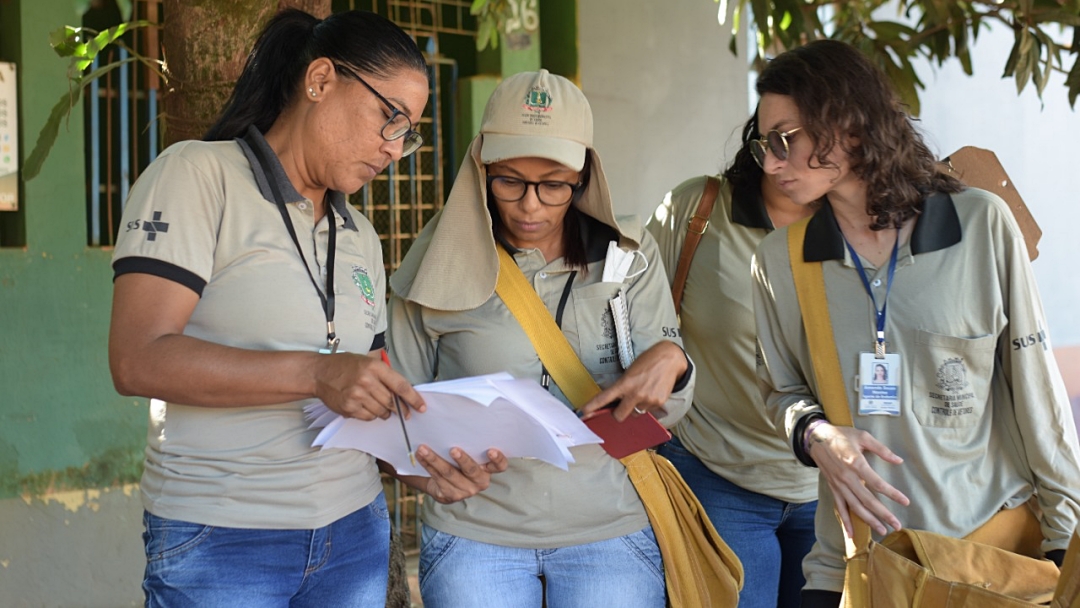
x=1039, y=148
x=668, y=97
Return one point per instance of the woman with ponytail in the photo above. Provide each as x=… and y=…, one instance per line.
x=245, y=287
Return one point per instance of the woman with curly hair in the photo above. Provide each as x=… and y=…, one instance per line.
x=930, y=279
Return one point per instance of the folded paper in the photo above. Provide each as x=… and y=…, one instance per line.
x=517, y=417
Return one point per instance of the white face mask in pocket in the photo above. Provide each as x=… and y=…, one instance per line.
x=618, y=263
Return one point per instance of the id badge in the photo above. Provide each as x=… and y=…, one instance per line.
x=879, y=385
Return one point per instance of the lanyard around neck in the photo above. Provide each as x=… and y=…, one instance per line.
x=327, y=298
x=879, y=345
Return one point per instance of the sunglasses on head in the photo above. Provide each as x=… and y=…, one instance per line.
x=775, y=142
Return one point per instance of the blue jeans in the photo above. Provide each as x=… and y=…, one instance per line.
x=770, y=536
x=343, y=564
x=623, y=572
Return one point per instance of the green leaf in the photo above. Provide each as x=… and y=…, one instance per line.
x=960, y=42
x=47, y=136
x=98, y=73
x=1073, y=82
x=903, y=81
x=66, y=41
x=785, y=21
x=890, y=30
x=125, y=9
x=1024, y=64
x=1061, y=17
x=761, y=19
x=1043, y=77
x=113, y=34
x=1014, y=58
x=483, y=34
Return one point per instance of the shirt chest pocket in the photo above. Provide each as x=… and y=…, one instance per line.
x=951, y=379
x=593, y=333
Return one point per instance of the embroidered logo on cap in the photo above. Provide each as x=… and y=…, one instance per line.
x=363, y=281
x=538, y=99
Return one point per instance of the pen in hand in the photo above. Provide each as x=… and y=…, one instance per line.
x=401, y=417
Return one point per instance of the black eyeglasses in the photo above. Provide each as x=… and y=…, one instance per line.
x=775, y=142
x=551, y=193
x=398, y=125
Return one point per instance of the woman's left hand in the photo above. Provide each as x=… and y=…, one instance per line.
x=645, y=386
x=449, y=483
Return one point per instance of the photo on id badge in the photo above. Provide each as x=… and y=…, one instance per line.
x=879, y=385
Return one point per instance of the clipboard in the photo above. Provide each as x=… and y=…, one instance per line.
x=980, y=168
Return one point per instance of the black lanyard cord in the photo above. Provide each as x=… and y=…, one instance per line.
x=327, y=299
x=545, y=377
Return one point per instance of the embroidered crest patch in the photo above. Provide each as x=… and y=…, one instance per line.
x=363, y=282
x=952, y=375
x=538, y=100
x=607, y=324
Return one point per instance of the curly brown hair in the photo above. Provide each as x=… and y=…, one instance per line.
x=839, y=91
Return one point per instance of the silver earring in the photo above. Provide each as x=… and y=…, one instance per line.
x=312, y=91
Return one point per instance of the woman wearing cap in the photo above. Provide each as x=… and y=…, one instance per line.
x=532, y=184
x=256, y=263
x=758, y=496
x=931, y=279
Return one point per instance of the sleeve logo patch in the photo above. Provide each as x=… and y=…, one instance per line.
x=151, y=227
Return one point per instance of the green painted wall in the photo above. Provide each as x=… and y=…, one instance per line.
x=62, y=425
x=558, y=37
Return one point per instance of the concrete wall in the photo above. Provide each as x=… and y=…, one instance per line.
x=667, y=96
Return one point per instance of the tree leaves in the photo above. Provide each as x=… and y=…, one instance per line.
x=943, y=30
x=82, y=45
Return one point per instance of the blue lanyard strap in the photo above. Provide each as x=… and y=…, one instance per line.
x=879, y=349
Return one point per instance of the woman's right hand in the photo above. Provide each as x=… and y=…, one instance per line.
x=363, y=387
x=838, y=453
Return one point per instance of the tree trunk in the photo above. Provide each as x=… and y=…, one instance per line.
x=205, y=45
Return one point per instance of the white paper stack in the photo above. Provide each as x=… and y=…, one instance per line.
x=517, y=417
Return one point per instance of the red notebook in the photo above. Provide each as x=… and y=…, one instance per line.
x=637, y=432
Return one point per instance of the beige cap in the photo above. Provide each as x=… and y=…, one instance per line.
x=537, y=114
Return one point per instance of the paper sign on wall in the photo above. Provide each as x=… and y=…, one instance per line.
x=9, y=140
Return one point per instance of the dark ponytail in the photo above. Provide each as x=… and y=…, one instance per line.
x=291, y=40
x=744, y=174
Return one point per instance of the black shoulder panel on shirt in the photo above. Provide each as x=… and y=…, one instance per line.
x=938, y=226
x=161, y=269
x=378, y=342
x=824, y=241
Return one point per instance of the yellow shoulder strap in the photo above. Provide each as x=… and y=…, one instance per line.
x=810, y=288
x=555, y=352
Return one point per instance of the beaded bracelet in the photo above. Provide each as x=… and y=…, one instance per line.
x=813, y=424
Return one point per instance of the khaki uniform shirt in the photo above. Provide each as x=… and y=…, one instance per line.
x=198, y=216
x=534, y=504
x=984, y=420
x=727, y=428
